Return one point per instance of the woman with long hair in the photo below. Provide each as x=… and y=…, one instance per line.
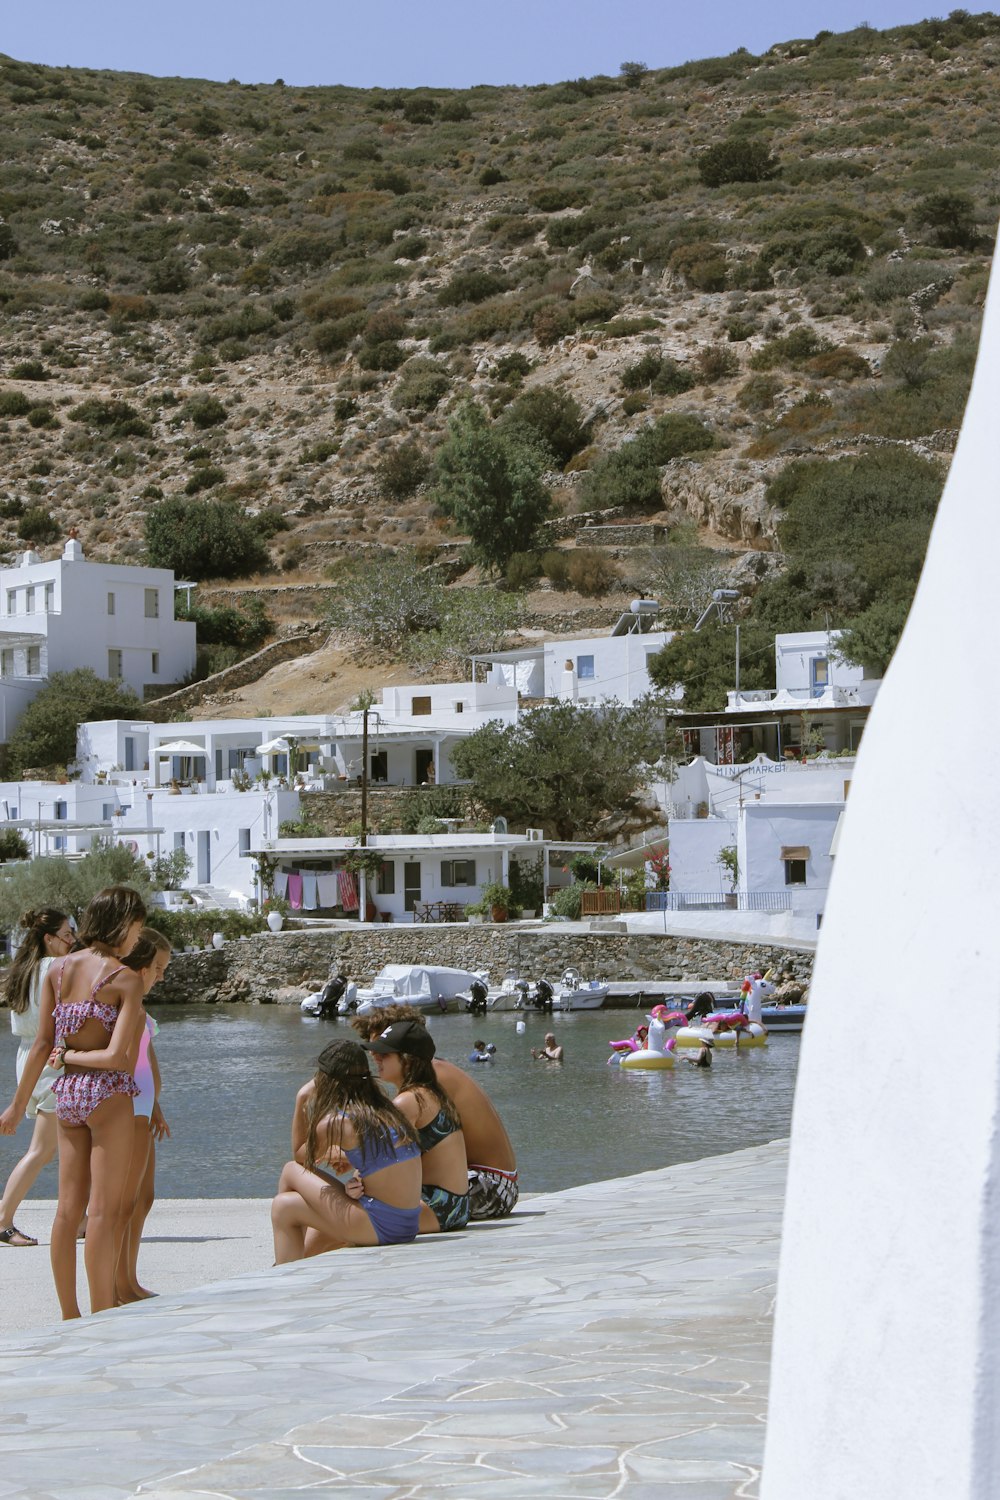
x=48, y=935
x=149, y=959
x=90, y=1019
x=404, y=1057
x=343, y=1122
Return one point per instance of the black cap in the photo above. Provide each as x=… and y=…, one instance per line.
x=403, y=1036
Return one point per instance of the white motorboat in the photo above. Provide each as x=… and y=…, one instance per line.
x=423, y=985
x=574, y=993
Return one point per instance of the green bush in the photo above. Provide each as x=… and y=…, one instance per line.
x=655, y=371
x=422, y=385
x=45, y=735
x=244, y=628
x=555, y=566
x=203, y=412
x=470, y=286
x=717, y=362
x=590, y=572
x=521, y=570
x=702, y=264
x=14, y=404
x=38, y=525
x=114, y=419
x=736, y=160
x=205, y=478
x=402, y=471
x=203, y=539
x=552, y=416
x=793, y=349
x=30, y=369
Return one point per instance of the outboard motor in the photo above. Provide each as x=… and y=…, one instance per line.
x=329, y=996
x=543, y=997
x=476, y=1003
x=522, y=987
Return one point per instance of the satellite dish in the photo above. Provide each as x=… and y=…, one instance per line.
x=499, y=825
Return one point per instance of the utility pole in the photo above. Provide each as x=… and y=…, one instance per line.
x=363, y=839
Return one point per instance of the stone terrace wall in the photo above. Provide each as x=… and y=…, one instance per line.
x=269, y=968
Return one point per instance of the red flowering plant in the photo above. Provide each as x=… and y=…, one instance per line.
x=659, y=863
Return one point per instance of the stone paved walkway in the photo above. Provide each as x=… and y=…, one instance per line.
x=611, y=1340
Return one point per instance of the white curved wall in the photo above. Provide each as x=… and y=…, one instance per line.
x=887, y=1339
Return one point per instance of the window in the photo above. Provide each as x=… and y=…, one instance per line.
x=29, y=601
x=155, y=662
x=458, y=872
x=111, y=604
x=244, y=841
x=794, y=857
x=152, y=604
x=386, y=880
x=7, y=663
x=380, y=766
x=585, y=668
x=34, y=661
x=107, y=811
x=50, y=598
x=115, y=665
x=420, y=706
x=12, y=601
x=460, y=707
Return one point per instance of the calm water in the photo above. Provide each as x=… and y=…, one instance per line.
x=230, y=1074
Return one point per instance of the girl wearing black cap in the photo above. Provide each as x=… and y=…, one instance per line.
x=404, y=1056
x=342, y=1121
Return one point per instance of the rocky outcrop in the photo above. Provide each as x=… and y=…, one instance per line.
x=279, y=968
x=726, y=499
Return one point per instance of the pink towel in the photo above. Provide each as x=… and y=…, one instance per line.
x=295, y=892
x=348, y=891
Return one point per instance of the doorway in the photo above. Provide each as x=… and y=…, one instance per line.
x=424, y=766
x=411, y=885
x=204, y=857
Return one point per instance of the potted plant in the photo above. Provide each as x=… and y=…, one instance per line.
x=498, y=900
x=275, y=909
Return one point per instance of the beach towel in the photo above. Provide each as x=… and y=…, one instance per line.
x=281, y=883
x=348, y=891
x=309, y=902
x=326, y=890
x=295, y=891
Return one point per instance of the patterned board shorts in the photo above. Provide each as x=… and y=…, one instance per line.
x=492, y=1193
x=79, y=1094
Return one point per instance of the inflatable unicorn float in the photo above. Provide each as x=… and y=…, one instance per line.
x=653, y=1046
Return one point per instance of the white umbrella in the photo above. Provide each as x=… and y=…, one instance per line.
x=181, y=747
x=272, y=747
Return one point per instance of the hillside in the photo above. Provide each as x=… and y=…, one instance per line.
x=280, y=297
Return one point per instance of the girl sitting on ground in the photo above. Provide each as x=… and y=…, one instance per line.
x=404, y=1057
x=344, y=1122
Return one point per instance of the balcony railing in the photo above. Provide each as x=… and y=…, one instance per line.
x=718, y=901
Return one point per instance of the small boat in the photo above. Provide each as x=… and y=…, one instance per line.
x=423, y=985
x=574, y=993
x=338, y=997
x=783, y=1018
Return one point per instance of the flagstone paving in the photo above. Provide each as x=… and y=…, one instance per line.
x=610, y=1340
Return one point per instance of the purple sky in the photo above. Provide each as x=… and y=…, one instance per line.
x=406, y=43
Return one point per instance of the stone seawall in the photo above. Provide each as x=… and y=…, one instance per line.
x=273, y=968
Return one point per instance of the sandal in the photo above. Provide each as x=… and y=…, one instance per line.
x=16, y=1238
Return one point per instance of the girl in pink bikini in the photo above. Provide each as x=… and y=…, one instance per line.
x=90, y=1021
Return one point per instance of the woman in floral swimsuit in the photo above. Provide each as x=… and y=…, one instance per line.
x=90, y=1021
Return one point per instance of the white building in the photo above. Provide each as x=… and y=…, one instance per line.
x=585, y=669
x=68, y=613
